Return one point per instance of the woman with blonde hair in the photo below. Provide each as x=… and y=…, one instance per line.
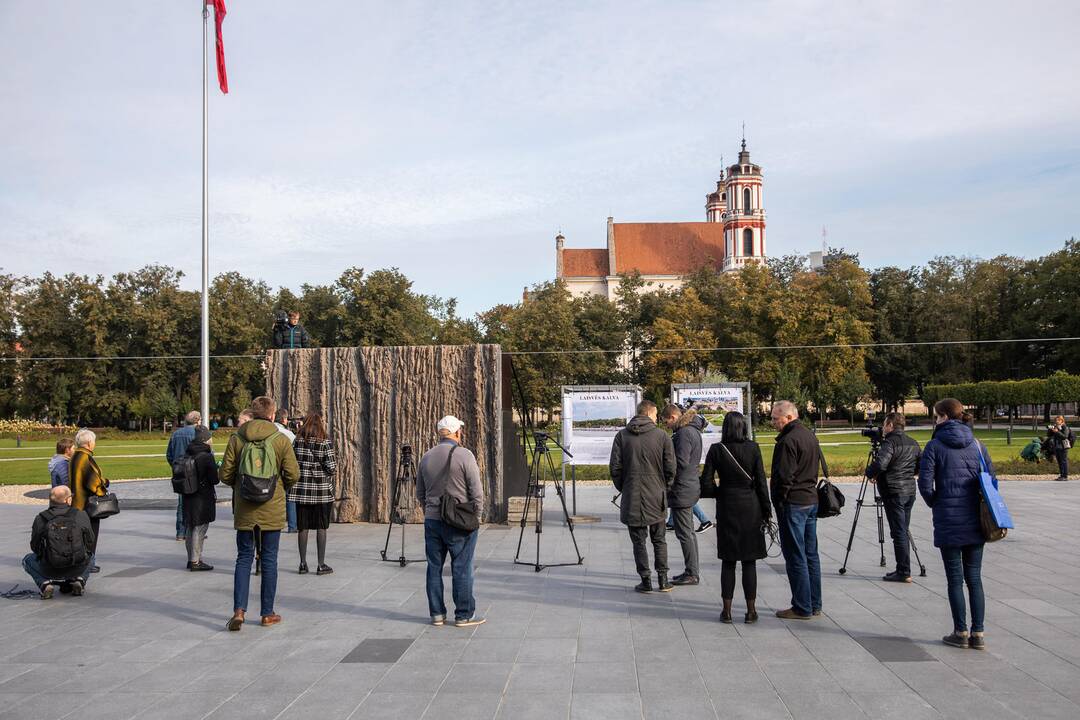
x=1062, y=438
x=86, y=479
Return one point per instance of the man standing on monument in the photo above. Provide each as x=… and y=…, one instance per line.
x=642, y=468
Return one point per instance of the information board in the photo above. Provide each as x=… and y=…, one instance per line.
x=592, y=416
x=713, y=402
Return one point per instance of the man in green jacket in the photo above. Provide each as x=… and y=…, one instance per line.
x=267, y=516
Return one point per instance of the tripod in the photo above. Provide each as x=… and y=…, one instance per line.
x=403, y=494
x=542, y=471
x=879, y=507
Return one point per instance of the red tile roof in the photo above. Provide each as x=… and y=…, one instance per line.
x=585, y=263
x=667, y=248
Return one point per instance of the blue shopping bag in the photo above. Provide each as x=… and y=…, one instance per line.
x=999, y=511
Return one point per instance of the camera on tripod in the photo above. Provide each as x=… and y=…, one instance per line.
x=874, y=433
x=406, y=455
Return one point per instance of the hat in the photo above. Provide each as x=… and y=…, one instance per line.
x=202, y=434
x=450, y=424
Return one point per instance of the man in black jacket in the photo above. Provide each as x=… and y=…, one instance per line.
x=642, y=467
x=686, y=490
x=61, y=539
x=793, y=488
x=893, y=470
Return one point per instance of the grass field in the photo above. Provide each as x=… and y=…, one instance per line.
x=845, y=452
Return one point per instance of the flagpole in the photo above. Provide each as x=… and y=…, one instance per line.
x=204, y=364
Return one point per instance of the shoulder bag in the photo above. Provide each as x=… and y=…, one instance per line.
x=458, y=515
x=830, y=499
x=102, y=506
x=994, y=516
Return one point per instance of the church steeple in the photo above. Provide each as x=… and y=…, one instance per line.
x=716, y=202
x=744, y=222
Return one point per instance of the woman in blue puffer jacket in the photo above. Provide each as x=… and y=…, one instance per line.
x=949, y=483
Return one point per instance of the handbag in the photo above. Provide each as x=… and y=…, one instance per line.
x=994, y=516
x=102, y=506
x=458, y=515
x=830, y=499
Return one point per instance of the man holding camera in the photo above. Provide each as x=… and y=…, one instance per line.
x=893, y=470
x=289, y=333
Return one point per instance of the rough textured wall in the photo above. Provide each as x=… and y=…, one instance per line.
x=375, y=399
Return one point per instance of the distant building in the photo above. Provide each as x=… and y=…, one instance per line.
x=732, y=235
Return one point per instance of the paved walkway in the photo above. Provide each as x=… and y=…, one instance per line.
x=147, y=640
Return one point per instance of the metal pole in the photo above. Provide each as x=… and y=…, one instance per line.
x=204, y=368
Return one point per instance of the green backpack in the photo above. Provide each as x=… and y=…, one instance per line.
x=258, y=468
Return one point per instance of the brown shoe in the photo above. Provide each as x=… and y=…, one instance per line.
x=792, y=614
x=236, y=621
x=268, y=620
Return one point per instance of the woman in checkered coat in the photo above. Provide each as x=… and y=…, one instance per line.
x=314, y=494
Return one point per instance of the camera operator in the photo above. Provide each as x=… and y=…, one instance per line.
x=893, y=470
x=289, y=333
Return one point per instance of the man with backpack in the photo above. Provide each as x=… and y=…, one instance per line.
x=260, y=466
x=61, y=539
x=176, y=449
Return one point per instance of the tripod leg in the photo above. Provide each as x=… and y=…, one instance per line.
x=911, y=542
x=389, y=530
x=854, y=523
x=880, y=526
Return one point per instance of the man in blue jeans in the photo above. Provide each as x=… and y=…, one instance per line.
x=449, y=468
x=793, y=488
x=177, y=448
x=258, y=518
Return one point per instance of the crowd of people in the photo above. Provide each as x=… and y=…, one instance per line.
x=284, y=482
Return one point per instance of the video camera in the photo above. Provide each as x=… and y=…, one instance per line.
x=406, y=454
x=874, y=433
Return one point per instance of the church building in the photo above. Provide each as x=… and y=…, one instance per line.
x=732, y=235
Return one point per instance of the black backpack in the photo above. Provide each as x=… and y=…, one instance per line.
x=185, y=480
x=64, y=546
x=830, y=499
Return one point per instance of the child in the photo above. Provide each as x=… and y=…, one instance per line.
x=58, y=466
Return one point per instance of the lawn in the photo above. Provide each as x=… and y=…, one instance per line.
x=132, y=457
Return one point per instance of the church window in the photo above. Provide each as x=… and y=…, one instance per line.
x=748, y=241
x=746, y=199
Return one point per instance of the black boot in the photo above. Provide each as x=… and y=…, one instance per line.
x=663, y=584
x=645, y=586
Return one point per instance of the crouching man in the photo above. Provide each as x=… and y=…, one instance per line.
x=61, y=539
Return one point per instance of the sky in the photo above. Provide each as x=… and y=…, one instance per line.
x=454, y=140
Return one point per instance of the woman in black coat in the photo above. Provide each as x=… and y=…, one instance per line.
x=200, y=507
x=742, y=509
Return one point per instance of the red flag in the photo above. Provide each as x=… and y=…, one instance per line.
x=219, y=17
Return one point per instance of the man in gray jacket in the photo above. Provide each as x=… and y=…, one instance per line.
x=686, y=490
x=642, y=466
x=449, y=468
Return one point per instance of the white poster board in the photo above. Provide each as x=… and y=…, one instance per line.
x=592, y=416
x=712, y=402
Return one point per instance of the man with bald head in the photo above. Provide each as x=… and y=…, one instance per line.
x=61, y=540
x=793, y=488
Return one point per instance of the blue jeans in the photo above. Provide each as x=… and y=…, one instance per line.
x=964, y=564
x=32, y=565
x=181, y=530
x=698, y=513
x=290, y=515
x=245, y=555
x=440, y=539
x=798, y=542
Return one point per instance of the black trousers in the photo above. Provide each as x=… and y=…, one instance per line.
x=641, y=536
x=749, y=579
x=95, y=525
x=1062, y=456
x=898, y=513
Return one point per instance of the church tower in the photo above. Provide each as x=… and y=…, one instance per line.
x=744, y=222
x=716, y=202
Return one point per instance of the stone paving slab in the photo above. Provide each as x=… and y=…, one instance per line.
x=148, y=638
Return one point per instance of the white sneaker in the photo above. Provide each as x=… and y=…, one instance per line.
x=469, y=622
x=438, y=620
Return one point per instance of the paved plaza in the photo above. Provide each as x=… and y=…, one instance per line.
x=148, y=639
